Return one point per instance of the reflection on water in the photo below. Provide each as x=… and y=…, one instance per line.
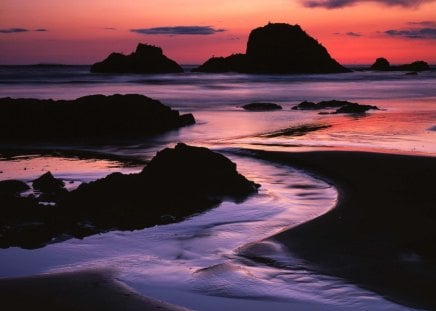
x=192, y=262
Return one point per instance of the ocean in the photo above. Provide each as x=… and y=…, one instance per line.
x=195, y=263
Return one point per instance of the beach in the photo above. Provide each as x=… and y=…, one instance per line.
x=342, y=221
x=381, y=233
x=379, y=236
x=84, y=290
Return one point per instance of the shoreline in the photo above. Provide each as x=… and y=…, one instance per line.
x=372, y=237
x=380, y=234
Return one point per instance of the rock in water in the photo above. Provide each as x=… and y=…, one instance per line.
x=47, y=183
x=177, y=183
x=261, y=107
x=283, y=48
x=341, y=106
x=382, y=64
x=12, y=187
x=88, y=118
x=277, y=48
x=146, y=59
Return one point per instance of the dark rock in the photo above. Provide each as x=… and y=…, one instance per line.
x=177, y=183
x=262, y=107
x=47, y=183
x=277, y=48
x=146, y=59
x=342, y=105
x=12, y=187
x=355, y=108
x=232, y=63
x=382, y=64
x=89, y=118
x=306, y=106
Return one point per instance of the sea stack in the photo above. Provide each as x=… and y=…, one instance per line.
x=277, y=48
x=382, y=64
x=146, y=59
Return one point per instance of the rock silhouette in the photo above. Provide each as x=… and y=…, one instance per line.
x=261, y=107
x=146, y=59
x=277, y=48
x=382, y=64
x=89, y=118
x=341, y=106
x=176, y=183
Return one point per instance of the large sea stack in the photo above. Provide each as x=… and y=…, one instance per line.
x=146, y=59
x=277, y=48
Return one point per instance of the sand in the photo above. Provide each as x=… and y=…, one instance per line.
x=84, y=290
x=381, y=236
x=382, y=233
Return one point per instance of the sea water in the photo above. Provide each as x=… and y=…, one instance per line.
x=196, y=263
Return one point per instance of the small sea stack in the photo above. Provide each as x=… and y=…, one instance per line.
x=146, y=59
x=382, y=64
x=262, y=107
x=277, y=48
x=341, y=106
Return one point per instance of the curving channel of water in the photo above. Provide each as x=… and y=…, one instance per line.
x=196, y=263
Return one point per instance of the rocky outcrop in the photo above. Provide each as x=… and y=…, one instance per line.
x=146, y=59
x=89, y=118
x=341, y=106
x=176, y=183
x=261, y=107
x=382, y=64
x=277, y=48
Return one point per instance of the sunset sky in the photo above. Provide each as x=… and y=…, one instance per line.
x=191, y=31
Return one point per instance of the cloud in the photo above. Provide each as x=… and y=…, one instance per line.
x=18, y=30
x=178, y=30
x=335, y=4
x=13, y=30
x=419, y=33
x=350, y=33
x=353, y=34
x=423, y=23
x=109, y=28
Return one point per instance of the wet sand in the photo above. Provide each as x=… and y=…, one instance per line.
x=382, y=233
x=85, y=290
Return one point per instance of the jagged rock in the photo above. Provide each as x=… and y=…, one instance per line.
x=261, y=107
x=47, y=183
x=88, y=118
x=176, y=183
x=342, y=105
x=277, y=48
x=382, y=64
x=146, y=59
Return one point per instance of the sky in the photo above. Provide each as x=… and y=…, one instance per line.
x=191, y=31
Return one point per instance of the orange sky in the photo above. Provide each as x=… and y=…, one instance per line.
x=83, y=31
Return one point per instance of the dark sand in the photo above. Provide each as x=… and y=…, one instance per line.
x=382, y=233
x=86, y=290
